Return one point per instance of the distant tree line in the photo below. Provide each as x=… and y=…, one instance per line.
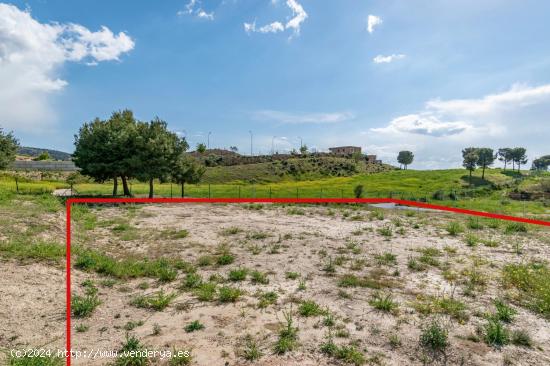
x=123, y=147
x=8, y=148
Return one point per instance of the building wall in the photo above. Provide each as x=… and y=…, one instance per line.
x=345, y=150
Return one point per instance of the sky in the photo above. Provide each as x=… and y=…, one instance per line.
x=432, y=77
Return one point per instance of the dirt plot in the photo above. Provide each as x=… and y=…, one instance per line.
x=289, y=285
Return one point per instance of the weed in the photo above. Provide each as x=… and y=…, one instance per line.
x=83, y=306
x=180, y=358
x=266, y=299
x=434, y=337
x=387, y=259
x=205, y=260
x=238, y=274
x=515, y=227
x=251, y=351
x=383, y=303
x=302, y=285
x=33, y=360
x=131, y=353
x=376, y=214
x=329, y=266
x=415, y=265
x=328, y=320
x=81, y=328
x=347, y=354
x=288, y=335
x=259, y=277
x=233, y=230
x=496, y=334
x=191, y=281
x=206, y=291
x=157, y=301
x=295, y=211
x=194, y=326
x=471, y=240
x=225, y=259
x=132, y=325
x=521, y=338
x=292, y=275
x=474, y=224
x=454, y=228
x=533, y=282
x=174, y=234
x=504, y=312
x=229, y=294
x=386, y=231
x=310, y=308
x=395, y=341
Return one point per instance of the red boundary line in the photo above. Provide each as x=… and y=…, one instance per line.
x=70, y=201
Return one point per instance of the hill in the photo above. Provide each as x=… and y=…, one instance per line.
x=293, y=169
x=36, y=151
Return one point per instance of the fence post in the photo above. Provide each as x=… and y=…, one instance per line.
x=17, y=185
x=297, y=193
x=171, y=190
x=269, y=192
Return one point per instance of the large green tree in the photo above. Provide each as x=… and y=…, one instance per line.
x=469, y=160
x=541, y=163
x=405, y=158
x=8, y=148
x=157, y=150
x=519, y=156
x=486, y=158
x=505, y=155
x=186, y=169
x=107, y=149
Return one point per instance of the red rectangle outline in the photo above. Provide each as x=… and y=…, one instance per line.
x=71, y=201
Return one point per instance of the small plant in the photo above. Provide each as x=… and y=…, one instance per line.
x=83, y=306
x=434, y=337
x=521, y=338
x=358, y=191
x=387, y=259
x=225, y=259
x=233, y=230
x=131, y=353
x=395, y=341
x=288, y=335
x=206, y=291
x=158, y=301
x=386, y=231
x=194, y=326
x=259, y=277
x=292, y=275
x=238, y=274
x=33, y=360
x=496, y=334
x=415, y=265
x=310, y=308
x=376, y=215
x=302, y=285
x=348, y=354
x=329, y=267
x=515, y=227
x=454, y=228
x=474, y=224
x=205, y=260
x=191, y=281
x=328, y=320
x=229, y=294
x=267, y=298
x=383, y=302
x=180, y=358
x=504, y=312
x=81, y=328
x=251, y=351
x=471, y=240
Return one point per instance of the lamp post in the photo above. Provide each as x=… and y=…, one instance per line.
x=273, y=145
x=209, y=133
x=301, y=144
x=250, y=132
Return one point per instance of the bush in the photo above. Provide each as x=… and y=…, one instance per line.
x=83, y=306
x=496, y=334
x=310, y=308
x=454, y=228
x=229, y=294
x=194, y=326
x=358, y=191
x=434, y=337
x=157, y=301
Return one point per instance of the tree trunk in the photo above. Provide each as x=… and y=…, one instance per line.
x=182, y=189
x=483, y=174
x=519, y=167
x=505, y=161
x=513, y=165
x=125, y=186
x=115, y=186
x=470, y=177
x=150, y=187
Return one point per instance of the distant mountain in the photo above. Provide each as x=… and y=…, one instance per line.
x=35, y=151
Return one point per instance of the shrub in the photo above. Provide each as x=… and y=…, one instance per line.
x=358, y=191
x=504, y=312
x=83, y=306
x=225, y=259
x=288, y=335
x=383, y=302
x=229, y=294
x=515, y=227
x=238, y=274
x=310, y=308
x=131, y=354
x=206, y=291
x=157, y=301
x=496, y=334
x=521, y=338
x=194, y=326
x=434, y=337
x=259, y=277
x=533, y=282
x=454, y=228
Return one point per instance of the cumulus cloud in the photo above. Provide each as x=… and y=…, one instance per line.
x=31, y=55
x=372, y=22
x=299, y=118
x=380, y=59
x=299, y=16
x=515, y=117
x=193, y=7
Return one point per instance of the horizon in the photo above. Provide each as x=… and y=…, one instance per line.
x=383, y=75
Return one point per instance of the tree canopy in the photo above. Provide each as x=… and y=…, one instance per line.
x=405, y=158
x=8, y=148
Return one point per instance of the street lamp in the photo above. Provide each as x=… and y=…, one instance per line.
x=301, y=144
x=250, y=132
x=273, y=145
x=209, y=133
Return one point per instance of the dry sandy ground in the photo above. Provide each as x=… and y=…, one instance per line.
x=32, y=295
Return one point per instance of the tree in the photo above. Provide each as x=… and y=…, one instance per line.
x=470, y=159
x=541, y=163
x=519, y=156
x=186, y=170
x=201, y=148
x=405, y=158
x=234, y=148
x=486, y=158
x=43, y=156
x=8, y=148
x=505, y=155
x=107, y=149
x=157, y=150
x=358, y=191
x=303, y=149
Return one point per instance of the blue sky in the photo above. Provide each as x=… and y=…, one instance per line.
x=428, y=76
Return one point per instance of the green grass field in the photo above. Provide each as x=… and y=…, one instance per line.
x=447, y=187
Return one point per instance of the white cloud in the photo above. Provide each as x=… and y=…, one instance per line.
x=31, y=54
x=515, y=117
x=372, y=22
x=299, y=16
x=298, y=118
x=193, y=8
x=380, y=59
